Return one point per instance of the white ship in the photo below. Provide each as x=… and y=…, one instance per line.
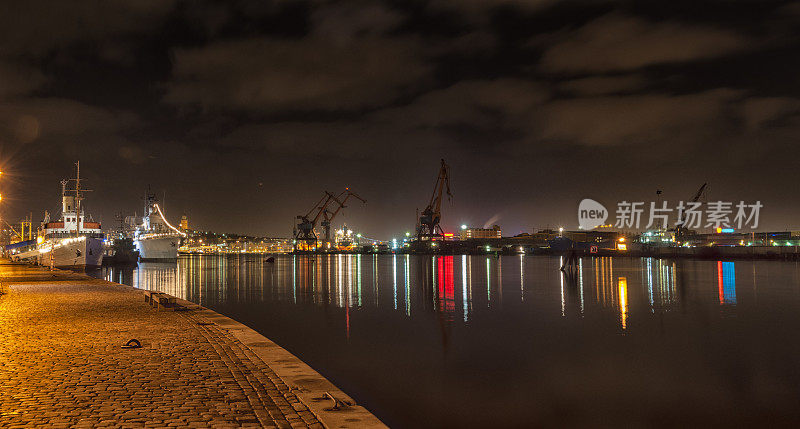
x=73, y=241
x=155, y=238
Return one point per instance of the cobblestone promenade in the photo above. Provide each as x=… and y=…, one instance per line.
x=62, y=364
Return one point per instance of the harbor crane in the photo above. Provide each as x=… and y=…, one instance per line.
x=305, y=234
x=680, y=227
x=328, y=215
x=428, y=222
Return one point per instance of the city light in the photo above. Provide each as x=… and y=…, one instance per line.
x=623, y=302
x=463, y=227
x=167, y=222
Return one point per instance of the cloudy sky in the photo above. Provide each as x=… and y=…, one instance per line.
x=242, y=112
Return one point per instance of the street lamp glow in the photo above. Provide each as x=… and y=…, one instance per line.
x=463, y=226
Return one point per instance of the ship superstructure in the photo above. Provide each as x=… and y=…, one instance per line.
x=344, y=239
x=154, y=237
x=75, y=240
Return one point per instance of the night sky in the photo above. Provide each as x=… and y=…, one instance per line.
x=242, y=112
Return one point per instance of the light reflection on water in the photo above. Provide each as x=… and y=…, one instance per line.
x=502, y=341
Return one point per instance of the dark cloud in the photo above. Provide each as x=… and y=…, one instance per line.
x=534, y=103
x=313, y=73
x=662, y=119
x=620, y=42
x=37, y=27
x=602, y=85
x=759, y=113
x=470, y=103
x=483, y=6
x=442, y=120
x=18, y=79
x=59, y=121
x=656, y=118
x=341, y=23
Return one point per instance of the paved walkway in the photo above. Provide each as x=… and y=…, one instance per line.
x=62, y=365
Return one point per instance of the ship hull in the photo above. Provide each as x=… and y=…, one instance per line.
x=158, y=248
x=73, y=253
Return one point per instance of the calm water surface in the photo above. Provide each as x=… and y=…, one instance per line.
x=466, y=341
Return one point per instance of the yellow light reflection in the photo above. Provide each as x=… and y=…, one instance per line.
x=407, y=276
x=488, y=283
x=394, y=279
x=623, y=302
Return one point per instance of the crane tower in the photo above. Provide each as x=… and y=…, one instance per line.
x=428, y=221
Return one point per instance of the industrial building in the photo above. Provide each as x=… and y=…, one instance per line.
x=468, y=233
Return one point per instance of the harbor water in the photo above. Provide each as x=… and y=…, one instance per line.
x=469, y=341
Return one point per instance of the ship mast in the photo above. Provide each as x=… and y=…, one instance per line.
x=64, y=202
x=78, y=198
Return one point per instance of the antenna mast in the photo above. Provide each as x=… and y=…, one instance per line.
x=78, y=198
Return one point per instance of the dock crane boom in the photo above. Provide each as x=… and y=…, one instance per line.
x=328, y=216
x=680, y=227
x=304, y=233
x=428, y=222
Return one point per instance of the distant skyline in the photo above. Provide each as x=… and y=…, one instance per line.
x=242, y=113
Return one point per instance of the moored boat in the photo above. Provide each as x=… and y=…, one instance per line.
x=75, y=240
x=155, y=238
